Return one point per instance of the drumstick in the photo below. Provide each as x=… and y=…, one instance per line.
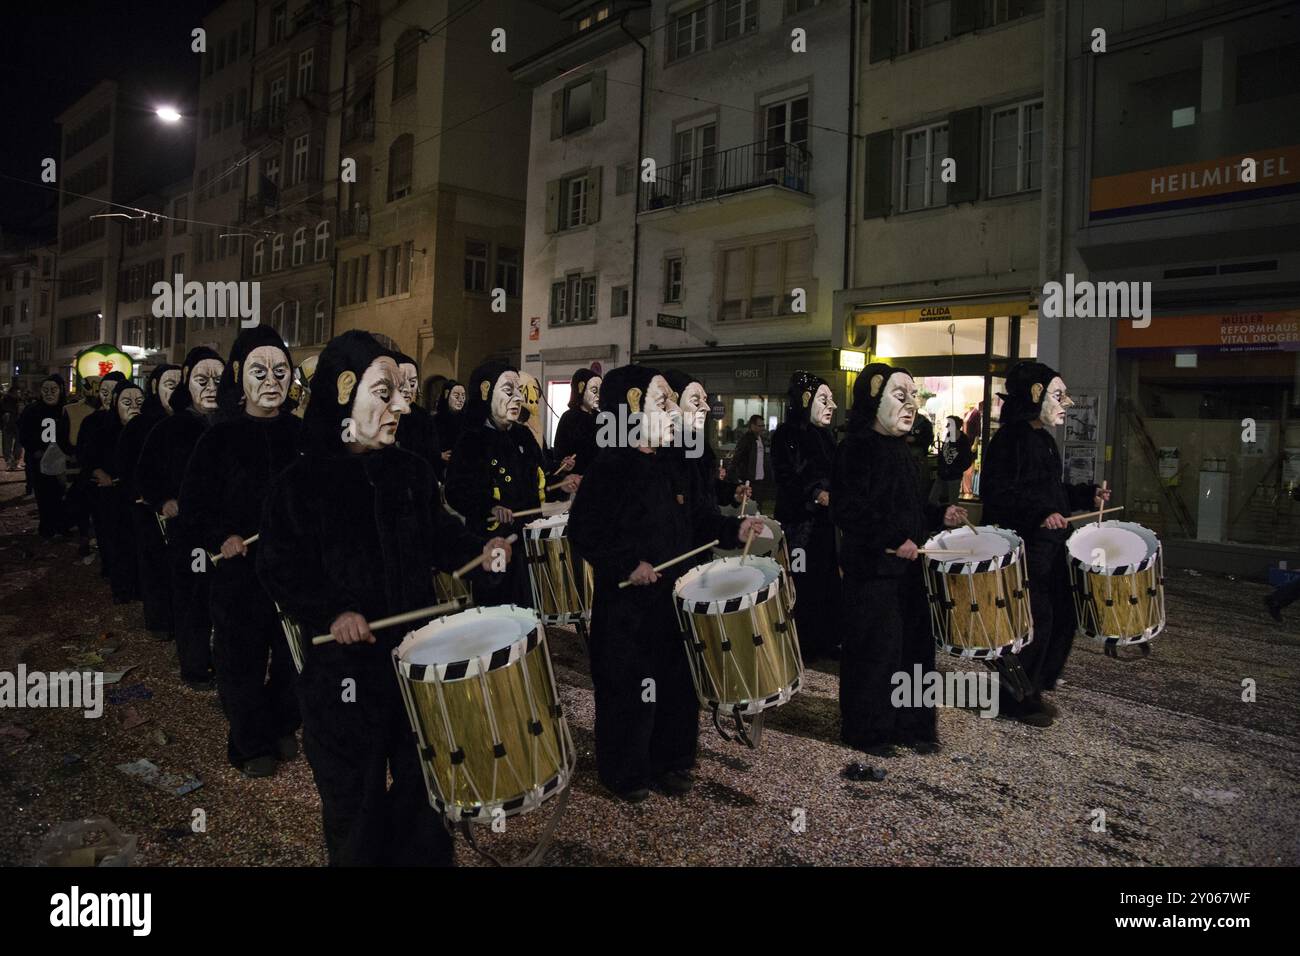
x=468, y=566
x=1103, y=501
x=1095, y=514
x=974, y=530
x=554, y=486
x=930, y=551
x=681, y=557
x=525, y=514
x=748, y=541
x=434, y=611
x=217, y=557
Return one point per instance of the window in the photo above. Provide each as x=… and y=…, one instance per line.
x=787, y=125
x=624, y=180
x=299, y=245
x=923, y=151
x=289, y=330
x=406, y=57
x=799, y=6
x=277, y=319
x=573, y=300
x=476, y=265
x=27, y=279
x=1002, y=11
x=400, y=156
x=618, y=300
x=24, y=312
x=277, y=22
x=395, y=269
x=180, y=211
x=44, y=308
x=577, y=107
x=923, y=23
x=278, y=97
x=737, y=17
x=322, y=239
x=277, y=252
x=317, y=330
x=306, y=72
x=574, y=195
x=1016, y=149
x=271, y=170
x=508, y=270
x=300, y=144
x=673, y=279
x=406, y=265
x=687, y=33
x=696, y=153
x=79, y=328
x=758, y=277
x=356, y=272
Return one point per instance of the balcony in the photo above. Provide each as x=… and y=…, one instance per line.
x=354, y=223
x=257, y=207
x=719, y=188
x=265, y=123
x=359, y=129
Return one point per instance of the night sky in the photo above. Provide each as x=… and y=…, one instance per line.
x=55, y=52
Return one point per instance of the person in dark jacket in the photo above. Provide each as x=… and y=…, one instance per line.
x=450, y=420
x=803, y=455
x=95, y=440
x=159, y=475
x=956, y=454
x=631, y=513
x=417, y=432
x=36, y=435
x=124, y=575
x=150, y=549
x=497, y=470
x=351, y=533
x=692, y=399
x=575, y=435
x=876, y=502
x=225, y=485
x=1022, y=488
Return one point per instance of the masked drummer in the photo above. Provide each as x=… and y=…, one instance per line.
x=692, y=399
x=496, y=470
x=94, y=448
x=416, y=432
x=166, y=452
x=876, y=501
x=449, y=417
x=350, y=534
x=222, y=494
x=1022, y=487
x=575, y=436
x=630, y=514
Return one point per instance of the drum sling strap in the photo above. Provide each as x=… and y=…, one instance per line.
x=534, y=856
x=750, y=736
x=1012, y=674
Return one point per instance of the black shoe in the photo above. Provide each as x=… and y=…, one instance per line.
x=675, y=783
x=201, y=686
x=259, y=767
x=923, y=747
x=287, y=747
x=1274, y=611
x=1034, y=718
x=859, y=772
x=880, y=750
x=1048, y=708
x=634, y=795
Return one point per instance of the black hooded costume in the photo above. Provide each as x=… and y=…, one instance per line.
x=416, y=431
x=222, y=493
x=158, y=478
x=150, y=548
x=32, y=431
x=632, y=507
x=449, y=424
x=876, y=502
x=493, y=466
x=1021, y=483
x=576, y=433
x=803, y=455
x=124, y=572
x=722, y=492
x=96, y=443
x=347, y=531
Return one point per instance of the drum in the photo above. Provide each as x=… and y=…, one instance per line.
x=446, y=588
x=979, y=602
x=561, y=584
x=1117, y=572
x=744, y=649
x=480, y=692
x=774, y=547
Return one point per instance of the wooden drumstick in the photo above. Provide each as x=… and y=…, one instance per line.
x=930, y=551
x=681, y=557
x=1100, y=513
x=469, y=565
x=974, y=530
x=525, y=514
x=1095, y=514
x=749, y=540
x=556, y=485
x=247, y=541
x=434, y=611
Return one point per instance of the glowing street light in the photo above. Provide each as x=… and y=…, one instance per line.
x=168, y=115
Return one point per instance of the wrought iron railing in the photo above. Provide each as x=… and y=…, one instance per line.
x=714, y=174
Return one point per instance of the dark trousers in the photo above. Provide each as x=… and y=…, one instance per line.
x=104, y=516
x=258, y=700
x=886, y=630
x=124, y=576
x=1054, y=618
x=632, y=639
x=152, y=571
x=818, y=608
x=191, y=617
x=352, y=747
x=49, y=501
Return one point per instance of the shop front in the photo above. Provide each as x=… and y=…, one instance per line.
x=1208, y=435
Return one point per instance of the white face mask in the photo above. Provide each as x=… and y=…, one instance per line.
x=456, y=400
x=106, y=389
x=507, y=399
x=660, y=428
x=898, y=405
x=266, y=378
x=951, y=429
x=203, y=384
x=823, y=407
x=1055, y=402
x=166, y=385
x=129, y=405
x=379, y=403
x=695, y=406
x=49, y=393
x=591, y=394
x=408, y=382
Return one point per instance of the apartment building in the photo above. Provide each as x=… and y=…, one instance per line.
x=153, y=250
x=26, y=281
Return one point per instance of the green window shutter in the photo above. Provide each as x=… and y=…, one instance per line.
x=557, y=114
x=593, y=200
x=553, y=205
x=883, y=29
x=598, y=97
x=878, y=161
x=964, y=147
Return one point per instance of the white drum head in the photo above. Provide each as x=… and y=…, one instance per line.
x=478, y=632
x=727, y=578
x=1106, y=546
x=548, y=526
x=988, y=544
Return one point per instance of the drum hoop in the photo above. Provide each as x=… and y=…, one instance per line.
x=531, y=799
x=728, y=605
x=967, y=566
x=1120, y=570
x=544, y=532
x=452, y=671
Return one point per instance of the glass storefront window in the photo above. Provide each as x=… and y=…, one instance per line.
x=1028, y=337
x=737, y=410
x=557, y=397
x=931, y=338
x=1001, y=335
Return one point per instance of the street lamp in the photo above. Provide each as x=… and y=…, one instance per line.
x=168, y=114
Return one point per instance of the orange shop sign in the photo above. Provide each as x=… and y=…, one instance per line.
x=1277, y=171
x=1225, y=331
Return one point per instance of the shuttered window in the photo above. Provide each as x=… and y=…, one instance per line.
x=758, y=278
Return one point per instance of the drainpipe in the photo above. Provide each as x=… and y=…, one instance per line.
x=850, y=206
x=636, y=224
x=338, y=188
